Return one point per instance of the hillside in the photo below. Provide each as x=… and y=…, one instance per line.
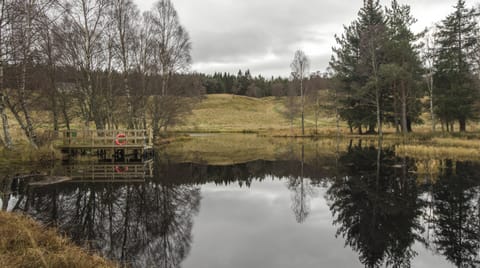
x=231, y=113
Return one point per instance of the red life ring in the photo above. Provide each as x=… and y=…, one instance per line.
x=121, y=136
x=119, y=169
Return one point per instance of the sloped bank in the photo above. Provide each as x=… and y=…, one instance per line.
x=25, y=243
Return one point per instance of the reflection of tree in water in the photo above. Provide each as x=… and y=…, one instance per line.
x=376, y=207
x=456, y=209
x=143, y=225
x=302, y=191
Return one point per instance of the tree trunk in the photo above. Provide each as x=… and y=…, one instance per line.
x=404, y=108
x=377, y=88
x=463, y=125
x=409, y=125
x=55, y=113
x=6, y=129
x=432, y=113
x=26, y=43
x=395, y=110
x=29, y=130
x=303, y=104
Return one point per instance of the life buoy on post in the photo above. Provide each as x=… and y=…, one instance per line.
x=119, y=169
x=119, y=137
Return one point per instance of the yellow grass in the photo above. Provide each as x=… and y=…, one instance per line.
x=24, y=243
x=229, y=113
x=455, y=142
x=422, y=152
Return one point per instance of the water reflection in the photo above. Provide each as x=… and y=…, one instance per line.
x=302, y=191
x=456, y=208
x=139, y=224
x=376, y=207
x=383, y=211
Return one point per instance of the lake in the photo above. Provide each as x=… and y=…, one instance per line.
x=246, y=201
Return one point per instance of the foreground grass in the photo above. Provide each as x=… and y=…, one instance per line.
x=24, y=243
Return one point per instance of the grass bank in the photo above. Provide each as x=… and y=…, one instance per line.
x=230, y=113
x=25, y=243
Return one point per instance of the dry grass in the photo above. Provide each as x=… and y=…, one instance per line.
x=425, y=152
x=230, y=113
x=24, y=243
x=456, y=142
x=24, y=153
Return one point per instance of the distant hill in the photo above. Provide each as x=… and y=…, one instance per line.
x=233, y=113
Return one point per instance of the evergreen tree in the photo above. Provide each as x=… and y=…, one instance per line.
x=454, y=78
x=403, y=73
x=356, y=65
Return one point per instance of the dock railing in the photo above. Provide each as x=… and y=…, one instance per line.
x=107, y=138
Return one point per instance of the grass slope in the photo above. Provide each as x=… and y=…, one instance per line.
x=229, y=113
x=25, y=243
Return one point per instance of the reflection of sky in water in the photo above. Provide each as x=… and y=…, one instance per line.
x=11, y=203
x=255, y=227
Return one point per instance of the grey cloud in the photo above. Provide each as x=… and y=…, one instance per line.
x=262, y=36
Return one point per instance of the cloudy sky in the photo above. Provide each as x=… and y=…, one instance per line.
x=262, y=35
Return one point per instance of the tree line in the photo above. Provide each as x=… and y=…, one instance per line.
x=102, y=61
x=245, y=84
x=382, y=70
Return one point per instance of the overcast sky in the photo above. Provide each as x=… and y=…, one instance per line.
x=262, y=35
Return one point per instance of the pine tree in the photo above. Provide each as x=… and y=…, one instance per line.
x=454, y=79
x=356, y=65
x=403, y=73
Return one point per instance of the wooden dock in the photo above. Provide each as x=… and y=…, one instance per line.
x=109, y=172
x=114, y=145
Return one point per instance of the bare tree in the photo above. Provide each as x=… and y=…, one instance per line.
x=316, y=101
x=83, y=30
x=4, y=24
x=429, y=61
x=143, y=61
x=125, y=12
x=171, y=53
x=300, y=66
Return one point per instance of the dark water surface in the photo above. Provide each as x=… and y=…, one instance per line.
x=360, y=207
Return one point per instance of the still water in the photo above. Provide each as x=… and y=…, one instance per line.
x=359, y=206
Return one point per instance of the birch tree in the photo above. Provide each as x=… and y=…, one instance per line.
x=429, y=56
x=125, y=12
x=171, y=54
x=26, y=23
x=300, y=66
x=84, y=26
x=5, y=7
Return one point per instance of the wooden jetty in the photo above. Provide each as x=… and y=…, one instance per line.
x=109, y=172
x=114, y=145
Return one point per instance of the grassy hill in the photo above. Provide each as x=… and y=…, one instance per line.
x=230, y=113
